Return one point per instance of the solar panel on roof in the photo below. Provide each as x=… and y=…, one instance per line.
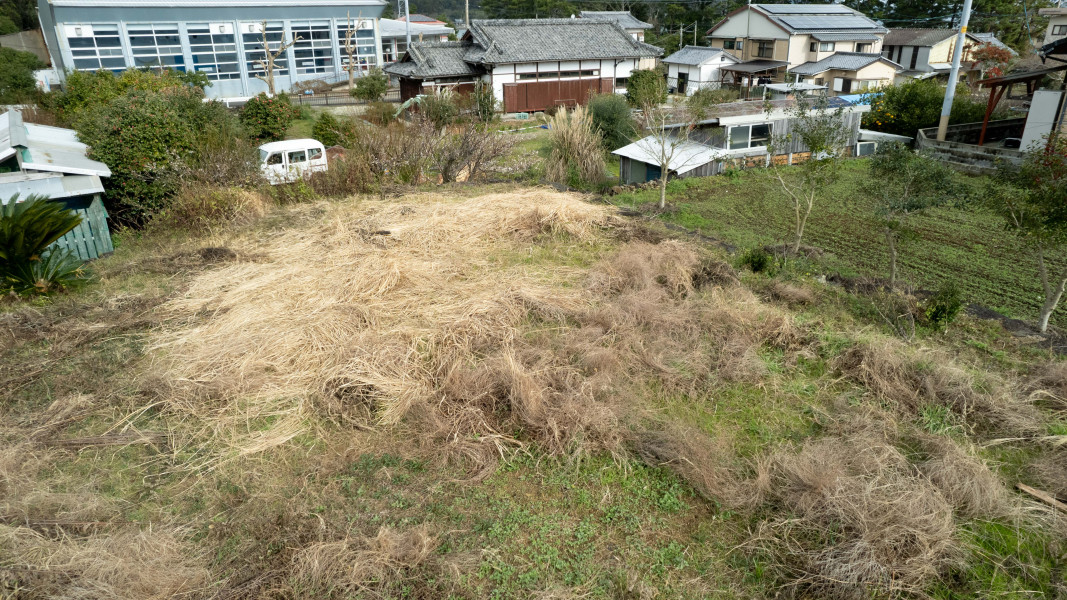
x=806, y=9
x=829, y=22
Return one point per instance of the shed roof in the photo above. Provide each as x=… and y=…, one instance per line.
x=686, y=155
x=51, y=185
x=428, y=60
x=697, y=55
x=842, y=61
x=917, y=36
x=990, y=38
x=43, y=148
x=391, y=28
x=844, y=37
x=533, y=40
x=622, y=17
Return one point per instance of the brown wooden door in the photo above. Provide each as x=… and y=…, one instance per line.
x=541, y=95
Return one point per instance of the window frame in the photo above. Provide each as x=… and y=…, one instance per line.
x=1059, y=30
x=748, y=136
x=762, y=45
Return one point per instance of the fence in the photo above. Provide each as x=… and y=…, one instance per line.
x=339, y=98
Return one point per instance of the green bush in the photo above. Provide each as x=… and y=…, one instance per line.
x=906, y=108
x=646, y=86
x=944, y=306
x=83, y=91
x=758, y=260
x=267, y=118
x=144, y=137
x=440, y=109
x=701, y=102
x=27, y=229
x=327, y=130
x=371, y=86
x=611, y=115
x=198, y=207
x=17, y=83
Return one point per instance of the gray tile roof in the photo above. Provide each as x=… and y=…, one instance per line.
x=694, y=55
x=844, y=37
x=622, y=17
x=916, y=37
x=429, y=60
x=989, y=38
x=532, y=40
x=842, y=61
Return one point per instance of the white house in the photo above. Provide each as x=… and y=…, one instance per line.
x=1057, y=23
x=633, y=26
x=395, y=41
x=694, y=67
x=531, y=64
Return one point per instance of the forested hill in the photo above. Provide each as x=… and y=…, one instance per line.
x=1013, y=22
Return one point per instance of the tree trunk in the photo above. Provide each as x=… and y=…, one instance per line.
x=891, y=240
x=802, y=214
x=1053, y=294
x=663, y=189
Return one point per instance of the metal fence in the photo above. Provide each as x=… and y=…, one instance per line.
x=339, y=98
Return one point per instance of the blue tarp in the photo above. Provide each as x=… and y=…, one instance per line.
x=859, y=99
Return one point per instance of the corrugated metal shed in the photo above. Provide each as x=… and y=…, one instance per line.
x=685, y=155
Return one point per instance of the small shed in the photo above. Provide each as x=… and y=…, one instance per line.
x=694, y=67
x=51, y=162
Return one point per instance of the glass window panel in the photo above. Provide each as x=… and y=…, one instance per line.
x=739, y=137
x=81, y=42
x=761, y=135
x=86, y=63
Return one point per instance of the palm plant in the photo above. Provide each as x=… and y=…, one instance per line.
x=27, y=230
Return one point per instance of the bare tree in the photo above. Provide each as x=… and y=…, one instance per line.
x=667, y=142
x=270, y=56
x=822, y=132
x=351, y=50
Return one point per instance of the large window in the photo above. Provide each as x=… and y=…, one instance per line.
x=821, y=46
x=749, y=136
x=214, y=49
x=157, y=46
x=95, y=47
x=363, y=37
x=864, y=47
x=1059, y=30
x=733, y=45
x=313, y=50
x=252, y=38
x=765, y=49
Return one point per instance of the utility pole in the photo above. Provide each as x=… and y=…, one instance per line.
x=467, y=14
x=407, y=22
x=954, y=74
x=694, y=33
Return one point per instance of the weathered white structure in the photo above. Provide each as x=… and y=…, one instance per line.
x=694, y=67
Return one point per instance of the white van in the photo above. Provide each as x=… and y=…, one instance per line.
x=289, y=160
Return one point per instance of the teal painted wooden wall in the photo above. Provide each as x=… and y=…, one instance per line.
x=92, y=238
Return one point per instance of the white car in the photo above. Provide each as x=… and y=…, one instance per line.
x=289, y=160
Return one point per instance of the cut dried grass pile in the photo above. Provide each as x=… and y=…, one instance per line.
x=965, y=480
x=130, y=563
x=864, y=524
x=378, y=565
x=423, y=313
x=909, y=380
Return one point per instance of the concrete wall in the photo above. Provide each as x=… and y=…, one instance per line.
x=27, y=41
x=960, y=149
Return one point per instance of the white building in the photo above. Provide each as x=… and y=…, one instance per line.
x=694, y=67
x=394, y=36
x=225, y=40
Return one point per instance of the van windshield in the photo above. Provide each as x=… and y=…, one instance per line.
x=263, y=154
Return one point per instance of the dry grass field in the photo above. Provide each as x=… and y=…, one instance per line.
x=505, y=392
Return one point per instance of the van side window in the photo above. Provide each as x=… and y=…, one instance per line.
x=314, y=153
x=275, y=159
x=298, y=157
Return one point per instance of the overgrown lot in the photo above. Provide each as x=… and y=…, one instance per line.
x=962, y=242
x=508, y=392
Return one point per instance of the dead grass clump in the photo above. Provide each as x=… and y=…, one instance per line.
x=965, y=480
x=703, y=462
x=865, y=524
x=909, y=382
x=1050, y=470
x=1049, y=385
x=712, y=271
x=200, y=207
x=790, y=294
x=379, y=565
x=670, y=265
x=128, y=563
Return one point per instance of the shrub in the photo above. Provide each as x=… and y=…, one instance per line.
x=646, y=86
x=268, y=118
x=758, y=260
x=612, y=117
x=143, y=137
x=346, y=176
x=483, y=102
x=27, y=229
x=463, y=156
x=439, y=108
x=371, y=86
x=380, y=113
x=293, y=193
x=944, y=306
x=326, y=130
x=83, y=90
x=702, y=100
x=197, y=207
x=576, y=157
x=906, y=108
x=17, y=83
